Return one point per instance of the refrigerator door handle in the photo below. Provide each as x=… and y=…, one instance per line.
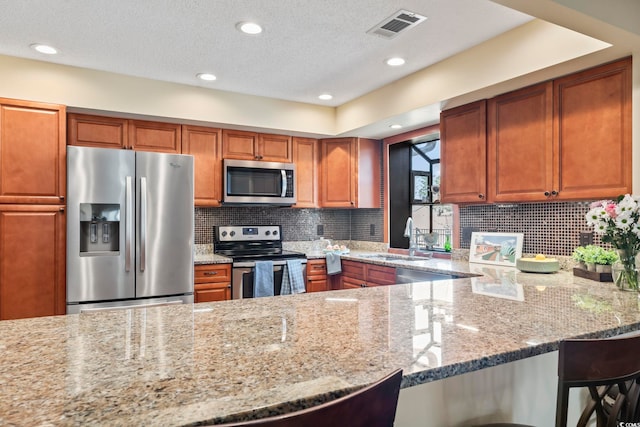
x=143, y=223
x=128, y=228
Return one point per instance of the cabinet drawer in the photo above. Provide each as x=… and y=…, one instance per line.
x=316, y=269
x=380, y=275
x=212, y=273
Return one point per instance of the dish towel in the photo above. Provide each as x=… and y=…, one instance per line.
x=263, y=279
x=334, y=265
x=292, y=279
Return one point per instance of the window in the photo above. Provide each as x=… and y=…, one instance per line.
x=433, y=221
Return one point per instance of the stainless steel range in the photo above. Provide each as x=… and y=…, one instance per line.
x=247, y=244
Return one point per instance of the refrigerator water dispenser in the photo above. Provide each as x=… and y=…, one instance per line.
x=99, y=229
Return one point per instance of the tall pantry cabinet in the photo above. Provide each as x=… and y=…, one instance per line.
x=32, y=209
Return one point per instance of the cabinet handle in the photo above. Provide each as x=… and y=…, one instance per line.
x=554, y=193
x=480, y=196
x=61, y=198
x=352, y=203
x=363, y=285
x=228, y=286
x=547, y=194
x=62, y=210
x=210, y=273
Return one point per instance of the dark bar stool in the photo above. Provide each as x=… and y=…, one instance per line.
x=609, y=369
x=371, y=406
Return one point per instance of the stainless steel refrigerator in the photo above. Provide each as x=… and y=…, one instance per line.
x=130, y=227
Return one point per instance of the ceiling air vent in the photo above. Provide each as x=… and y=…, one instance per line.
x=400, y=21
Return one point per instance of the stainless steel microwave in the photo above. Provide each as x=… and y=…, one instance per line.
x=259, y=183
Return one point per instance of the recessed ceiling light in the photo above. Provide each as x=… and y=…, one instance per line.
x=395, y=126
x=43, y=48
x=206, y=76
x=249, y=27
x=395, y=62
x=325, y=97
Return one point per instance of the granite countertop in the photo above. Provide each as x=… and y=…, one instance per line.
x=225, y=361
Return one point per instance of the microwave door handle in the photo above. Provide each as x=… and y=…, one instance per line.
x=284, y=182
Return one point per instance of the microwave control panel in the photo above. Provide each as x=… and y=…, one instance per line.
x=231, y=233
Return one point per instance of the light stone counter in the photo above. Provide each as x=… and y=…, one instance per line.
x=177, y=365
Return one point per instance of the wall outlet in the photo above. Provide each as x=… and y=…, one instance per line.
x=586, y=238
x=320, y=230
x=372, y=229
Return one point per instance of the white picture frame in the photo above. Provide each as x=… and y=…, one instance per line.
x=496, y=248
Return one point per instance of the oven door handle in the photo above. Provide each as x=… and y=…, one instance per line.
x=251, y=264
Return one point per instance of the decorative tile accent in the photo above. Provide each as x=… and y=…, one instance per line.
x=549, y=228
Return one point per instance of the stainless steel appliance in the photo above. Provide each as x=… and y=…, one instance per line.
x=256, y=182
x=248, y=244
x=130, y=227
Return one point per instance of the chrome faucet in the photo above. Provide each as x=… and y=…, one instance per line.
x=408, y=232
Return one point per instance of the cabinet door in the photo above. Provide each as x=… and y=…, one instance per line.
x=520, y=145
x=337, y=182
x=463, y=154
x=379, y=275
x=305, y=157
x=32, y=261
x=592, y=132
x=347, y=282
x=212, y=292
x=274, y=148
x=154, y=136
x=237, y=144
x=32, y=152
x=97, y=131
x=317, y=285
x=204, y=145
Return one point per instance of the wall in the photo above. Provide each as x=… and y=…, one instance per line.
x=297, y=224
x=549, y=228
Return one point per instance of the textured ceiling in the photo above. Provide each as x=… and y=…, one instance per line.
x=308, y=46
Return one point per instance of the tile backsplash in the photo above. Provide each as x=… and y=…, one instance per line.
x=549, y=228
x=297, y=224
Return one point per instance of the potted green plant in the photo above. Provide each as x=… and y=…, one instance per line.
x=578, y=256
x=605, y=259
x=590, y=254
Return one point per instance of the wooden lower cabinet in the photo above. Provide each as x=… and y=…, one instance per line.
x=317, y=275
x=32, y=261
x=357, y=274
x=212, y=282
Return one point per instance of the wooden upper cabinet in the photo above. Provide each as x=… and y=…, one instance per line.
x=520, y=145
x=245, y=145
x=113, y=132
x=155, y=136
x=305, y=157
x=32, y=152
x=32, y=261
x=97, y=131
x=592, y=132
x=350, y=173
x=204, y=145
x=463, y=164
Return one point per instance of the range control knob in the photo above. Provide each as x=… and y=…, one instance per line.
x=275, y=232
x=266, y=233
x=233, y=233
x=224, y=234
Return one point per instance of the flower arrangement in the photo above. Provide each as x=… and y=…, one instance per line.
x=619, y=224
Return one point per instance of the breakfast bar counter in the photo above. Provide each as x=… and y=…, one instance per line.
x=242, y=359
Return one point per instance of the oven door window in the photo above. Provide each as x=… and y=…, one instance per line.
x=253, y=182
